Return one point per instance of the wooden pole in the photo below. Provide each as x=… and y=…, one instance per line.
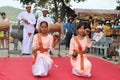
x=59, y=45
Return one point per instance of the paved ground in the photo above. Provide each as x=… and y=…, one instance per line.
x=56, y=52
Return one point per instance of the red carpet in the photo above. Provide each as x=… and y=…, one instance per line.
x=20, y=69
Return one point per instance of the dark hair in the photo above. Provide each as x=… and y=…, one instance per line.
x=74, y=15
x=60, y=18
x=81, y=24
x=3, y=13
x=70, y=19
x=90, y=17
x=43, y=22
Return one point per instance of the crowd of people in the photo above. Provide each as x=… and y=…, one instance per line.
x=76, y=35
x=105, y=28
x=43, y=41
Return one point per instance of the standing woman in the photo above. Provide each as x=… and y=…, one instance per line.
x=81, y=66
x=42, y=41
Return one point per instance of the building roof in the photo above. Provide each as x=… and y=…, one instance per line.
x=100, y=14
x=96, y=11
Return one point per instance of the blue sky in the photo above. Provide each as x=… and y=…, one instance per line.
x=88, y=4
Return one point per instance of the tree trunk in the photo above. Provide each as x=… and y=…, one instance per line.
x=66, y=10
x=56, y=9
x=63, y=10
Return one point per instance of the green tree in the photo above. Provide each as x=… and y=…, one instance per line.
x=27, y=1
x=118, y=7
x=59, y=8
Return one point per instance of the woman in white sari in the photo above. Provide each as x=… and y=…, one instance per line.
x=42, y=41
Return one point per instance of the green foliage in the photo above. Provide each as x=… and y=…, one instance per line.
x=79, y=1
x=59, y=8
x=42, y=2
x=118, y=8
x=27, y=1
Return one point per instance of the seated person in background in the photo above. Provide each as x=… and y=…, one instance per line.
x=42, y=41
x=117, y=25
x=98, y=34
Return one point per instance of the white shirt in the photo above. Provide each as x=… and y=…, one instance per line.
x=31, y=19
x=42, y=18
x=98, y=36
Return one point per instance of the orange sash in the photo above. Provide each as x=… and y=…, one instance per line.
x=80, y=52
x=41, y=49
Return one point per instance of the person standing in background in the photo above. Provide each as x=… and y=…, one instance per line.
x=69, y=32
x=63, y=24
x=93, y=26
x=44, y=18
x=74, y=24
x=59, y=21
x=1, y=36
x=28, y=20
x=106, y=29
x=89, y=24
x=5, y=19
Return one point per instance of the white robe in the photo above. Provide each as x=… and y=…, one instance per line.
x=28, y=28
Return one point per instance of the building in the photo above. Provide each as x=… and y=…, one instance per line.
x=100, y=14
